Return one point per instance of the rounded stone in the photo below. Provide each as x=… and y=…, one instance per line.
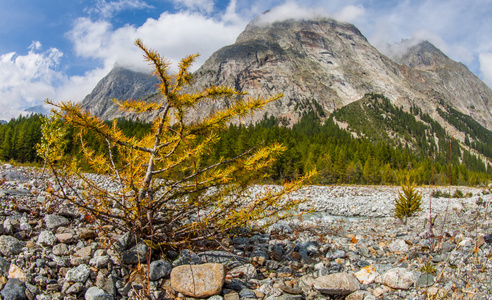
x=159, y=269
x=17, y=273
x=60, y=249
x=95, y=293
x=4, y=266
x=78, y=274
x=336, y=254
x=398, y=246
x=25, y=226
x=336, y=284
x=64, y=237
x=246, y=272
x=198, y=281
x=47, y=238
x=75, y=288
x=361, y=295
x=14, y=290
x=399, y=278
x=99, y=261
x=136, y=254
x=9, y=245
x=367, y=275
x=54, y=221
x=247, y=293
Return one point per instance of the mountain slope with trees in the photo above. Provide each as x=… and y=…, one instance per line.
x=371, y=157
x=368, y=142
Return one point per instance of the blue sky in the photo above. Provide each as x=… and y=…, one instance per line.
x=60, y=49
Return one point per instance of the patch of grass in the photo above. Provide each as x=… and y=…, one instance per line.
x=457, y=194
x=428, y=268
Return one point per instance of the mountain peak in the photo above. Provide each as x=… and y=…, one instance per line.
x=426, y=46
x=423, y=55
x=120, y=83
x=317, y=59
x=262, y=27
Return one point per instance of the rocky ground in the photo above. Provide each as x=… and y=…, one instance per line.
x=350, y=248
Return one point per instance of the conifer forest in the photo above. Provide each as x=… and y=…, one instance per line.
x=317, y=142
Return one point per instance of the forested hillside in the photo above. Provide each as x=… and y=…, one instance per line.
x=390, y=143
x=342, y=158
x=18, y=139
x=375, y=118
x=20, y=136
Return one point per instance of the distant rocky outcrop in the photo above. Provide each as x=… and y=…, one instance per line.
x=440, y=78
x=322, y=60
x=121, y=84
x=38, y=109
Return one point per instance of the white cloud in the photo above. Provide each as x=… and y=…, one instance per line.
x=486, y=67
x=204, y=6
x=26, y=80
x=107, y=9
x=231, y=16
x=172, y=35
x=350, y=13
x=289, y=10
x=298, y=10
x=36, y=45
x=89, y=37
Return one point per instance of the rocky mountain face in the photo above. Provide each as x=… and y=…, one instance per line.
x=440, y=78
x=121, y=84
x=322, y=60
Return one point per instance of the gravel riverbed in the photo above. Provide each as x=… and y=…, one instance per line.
x=350, y=247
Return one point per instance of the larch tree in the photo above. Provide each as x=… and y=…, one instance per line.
x=408, y=202
x=159, y=187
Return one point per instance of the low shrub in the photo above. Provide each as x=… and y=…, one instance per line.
x=408, y=202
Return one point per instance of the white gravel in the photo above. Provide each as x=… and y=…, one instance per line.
x=378, y=201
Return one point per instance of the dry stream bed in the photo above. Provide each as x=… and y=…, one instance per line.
x=349, y=248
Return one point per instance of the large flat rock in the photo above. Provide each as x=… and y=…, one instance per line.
x=198, y=281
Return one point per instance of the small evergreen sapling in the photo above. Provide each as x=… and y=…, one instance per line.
x=160, y=185
x=408, y=202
